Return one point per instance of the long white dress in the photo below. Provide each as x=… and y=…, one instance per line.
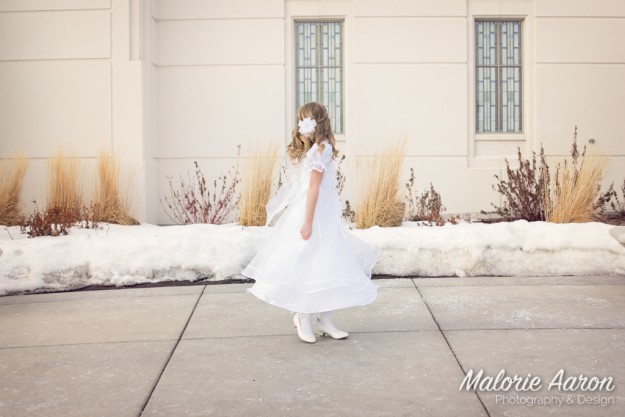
x=330, y=270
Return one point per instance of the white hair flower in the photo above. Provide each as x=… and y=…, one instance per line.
x=307, y=126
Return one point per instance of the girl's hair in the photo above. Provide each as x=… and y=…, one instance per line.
x=300, y=144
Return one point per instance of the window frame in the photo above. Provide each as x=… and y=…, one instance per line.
x=318, y=67
x=498, y=134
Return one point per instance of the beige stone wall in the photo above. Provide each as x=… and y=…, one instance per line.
x=167, y=82
x=219, y=81
x=580, y=78
x=68, y=81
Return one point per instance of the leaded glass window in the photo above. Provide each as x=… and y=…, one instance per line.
x=498, y=76
x=319, y=67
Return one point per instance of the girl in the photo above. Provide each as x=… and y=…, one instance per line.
x=310, y=264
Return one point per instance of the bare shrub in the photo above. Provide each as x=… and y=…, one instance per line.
x=619, y=206
x=348, y=213
x=57, y=221
x=340, y=177
x=281, y=178
x=427, y=206
x=11, y=183
x=192, y=202
x=257, y=181
x=53, y=221
x=610, y=198
x=89, y=218
x=524, y=190
x=378, y=186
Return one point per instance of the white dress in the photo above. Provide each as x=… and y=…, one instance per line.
x=330, y=270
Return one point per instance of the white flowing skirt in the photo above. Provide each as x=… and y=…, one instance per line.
x=329, y=271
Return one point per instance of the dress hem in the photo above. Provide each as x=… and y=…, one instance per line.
x=294, y=309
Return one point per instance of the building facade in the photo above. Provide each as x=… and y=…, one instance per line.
x=163, y=83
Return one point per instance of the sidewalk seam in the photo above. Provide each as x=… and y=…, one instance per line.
x=91, y=299
x=85, y=343
x=147, y=400
x=449, y=345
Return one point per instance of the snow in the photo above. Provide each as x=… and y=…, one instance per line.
x=125, y=255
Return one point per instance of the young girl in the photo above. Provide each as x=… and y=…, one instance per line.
x=310, y=264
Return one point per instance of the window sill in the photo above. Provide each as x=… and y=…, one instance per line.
x=499, y=136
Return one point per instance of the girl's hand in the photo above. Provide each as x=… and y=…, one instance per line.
x=306, y=231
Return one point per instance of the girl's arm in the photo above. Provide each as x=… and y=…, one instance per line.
x=311, y=203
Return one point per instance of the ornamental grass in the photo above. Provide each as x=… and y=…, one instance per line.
x=64, y=190
x=258, y=171
x=12, y=173
x=575, y=189
x=110, y=204
x=378, y=187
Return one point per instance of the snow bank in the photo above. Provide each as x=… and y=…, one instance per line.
x=122, y=255
x=519, y=248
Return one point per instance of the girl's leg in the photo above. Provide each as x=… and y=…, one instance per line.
x=303, y=324
x=324, y=323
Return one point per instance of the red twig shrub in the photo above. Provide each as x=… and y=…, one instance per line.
x=192, y=202
x=57, y=221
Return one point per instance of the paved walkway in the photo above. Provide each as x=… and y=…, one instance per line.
x=214, y=350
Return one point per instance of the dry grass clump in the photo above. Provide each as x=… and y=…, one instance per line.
x=64, y=190
x=574, y=194
x=11, y=182
x=257, y=180
x=378, y=187
x=110, y=205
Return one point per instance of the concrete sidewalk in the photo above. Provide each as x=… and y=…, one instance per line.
x=214, y=350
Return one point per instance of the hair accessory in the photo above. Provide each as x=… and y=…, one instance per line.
x=307, y=126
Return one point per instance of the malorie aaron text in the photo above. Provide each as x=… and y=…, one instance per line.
x=502, y=382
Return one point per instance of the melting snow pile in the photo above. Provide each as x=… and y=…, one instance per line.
x=123, y=255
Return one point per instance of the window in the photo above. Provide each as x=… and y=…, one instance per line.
x=319, y=67
x=498, y=81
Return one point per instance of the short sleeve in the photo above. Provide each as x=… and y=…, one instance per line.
x=321, y=160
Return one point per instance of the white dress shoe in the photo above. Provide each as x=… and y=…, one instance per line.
x=324, y=323
x=303, y=324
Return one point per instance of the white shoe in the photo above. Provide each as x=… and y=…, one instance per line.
x=324, y=323
x=303, y=324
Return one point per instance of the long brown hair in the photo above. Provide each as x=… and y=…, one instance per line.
x=300, y=144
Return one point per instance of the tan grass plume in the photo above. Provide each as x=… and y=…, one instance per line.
x=64, y=190
x=377, y=181
x=12, y=175
x=111, y=205
x=574, y=190
x=257, y=179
